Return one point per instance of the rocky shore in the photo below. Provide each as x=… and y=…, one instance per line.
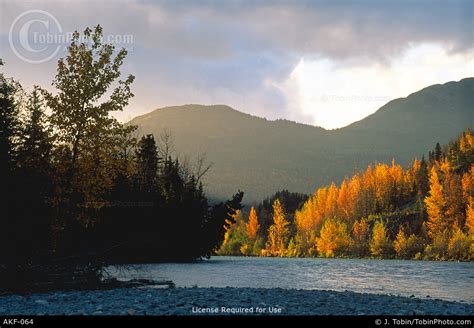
x=223, y=301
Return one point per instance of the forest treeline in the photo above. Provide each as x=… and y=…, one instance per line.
x=425, y=211
x=75, y=181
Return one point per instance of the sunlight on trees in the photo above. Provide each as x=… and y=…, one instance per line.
x=435, y=205
x=426, y=209
x=252, y=226
x=360, y=233
x=334, y=238
x=379, y=243
x=278, y=233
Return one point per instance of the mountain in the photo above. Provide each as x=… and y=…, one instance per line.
x=260, y=156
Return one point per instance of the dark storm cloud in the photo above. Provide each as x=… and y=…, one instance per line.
x=229, y=48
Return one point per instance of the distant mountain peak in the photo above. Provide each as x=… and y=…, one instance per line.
x=261, y=156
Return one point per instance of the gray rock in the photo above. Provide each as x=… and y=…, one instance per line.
x=134, y=301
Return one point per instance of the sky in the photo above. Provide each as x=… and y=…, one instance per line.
x=323, y=63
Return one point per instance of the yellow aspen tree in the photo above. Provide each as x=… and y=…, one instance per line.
x=468, y=184
x=334, y=238
x=460, y=245
x=308, y=222
x=470, y=217
x=400, y=243
x=320, y=203
x=410, y=176
x=252, y=225
x=469, y=140
x=398, y=188
x=331, y=201
x=463, y=144
x=379, y=243
x=344, y=203
x=435, y=205
x=368, y=192
x=278, y=232
x=382, y=184
x=360, y=230
x=355, y=189
x=455, y=205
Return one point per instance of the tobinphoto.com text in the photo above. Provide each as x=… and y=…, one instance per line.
x=237, y=310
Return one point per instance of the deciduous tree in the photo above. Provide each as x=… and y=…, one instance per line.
x=379, y=243
x=334, y=238
x=278, y=233
x=435, y=205
x=252, y=225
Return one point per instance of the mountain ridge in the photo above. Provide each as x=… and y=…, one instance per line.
x=261, y=156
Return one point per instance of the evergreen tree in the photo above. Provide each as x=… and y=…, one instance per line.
x=222, y=217
x=9, y=125
x=438, y=153
x=36, y=146
x=9, y=189
x=147, y=163
x=421, y=178
x=35, y=172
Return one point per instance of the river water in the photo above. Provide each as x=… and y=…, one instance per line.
x=444, y=280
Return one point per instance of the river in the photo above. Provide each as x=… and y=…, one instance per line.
x=452, y=281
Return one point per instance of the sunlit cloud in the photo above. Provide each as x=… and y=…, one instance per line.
x=333, y=94
x=273, y=59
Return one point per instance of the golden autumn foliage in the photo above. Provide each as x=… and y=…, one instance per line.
x=245, y=250
x=466, y=142
x=427, y=210
x=334, y=238
x=435, y=205
x=407, y=247
x=400, y=242
x=470, y=217
x=379, y=243
x=252, y=225
x=467, y=183
x=459, y=246
x=455, y=203
x=278, y=233
x=360, y=233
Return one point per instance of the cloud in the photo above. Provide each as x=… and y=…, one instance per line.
x=220, y=29
x=243, y=53
x=322, y=93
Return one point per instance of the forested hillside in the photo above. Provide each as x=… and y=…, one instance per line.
x=423, y=211
x=262, y=156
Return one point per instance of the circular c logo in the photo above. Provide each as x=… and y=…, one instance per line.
x=35, y=36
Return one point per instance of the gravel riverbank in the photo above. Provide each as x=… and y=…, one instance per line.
x=224, y=301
